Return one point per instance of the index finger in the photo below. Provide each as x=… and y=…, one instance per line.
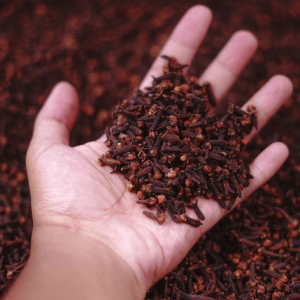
x=183, y=42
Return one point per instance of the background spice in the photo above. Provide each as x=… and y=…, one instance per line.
x=104, y=49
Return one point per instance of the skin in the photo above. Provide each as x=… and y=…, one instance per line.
x=90, y=239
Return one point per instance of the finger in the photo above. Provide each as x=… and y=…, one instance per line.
x=269, y=99
x=229, y=63
x=56, y=118
x=264, y=166
x=183, y=42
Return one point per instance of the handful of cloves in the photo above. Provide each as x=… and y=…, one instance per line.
x=170, y=147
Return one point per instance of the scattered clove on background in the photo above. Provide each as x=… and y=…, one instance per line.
x=68, y=44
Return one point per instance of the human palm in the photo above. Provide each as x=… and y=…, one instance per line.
x=70, y=189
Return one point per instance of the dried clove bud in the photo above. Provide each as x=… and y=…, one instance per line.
x=169, y=138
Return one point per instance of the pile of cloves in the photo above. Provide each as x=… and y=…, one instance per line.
x=171, y=147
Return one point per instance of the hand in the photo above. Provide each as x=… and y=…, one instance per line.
x=71, y=192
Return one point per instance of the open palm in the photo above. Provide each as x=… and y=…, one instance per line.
x=70, y=189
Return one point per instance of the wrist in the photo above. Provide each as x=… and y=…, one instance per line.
x=77, y=265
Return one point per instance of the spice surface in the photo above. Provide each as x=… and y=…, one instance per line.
x=171, y=147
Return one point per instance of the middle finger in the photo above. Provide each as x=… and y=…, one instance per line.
x=229, y=63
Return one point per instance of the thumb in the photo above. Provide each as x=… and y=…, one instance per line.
x=56, y=118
